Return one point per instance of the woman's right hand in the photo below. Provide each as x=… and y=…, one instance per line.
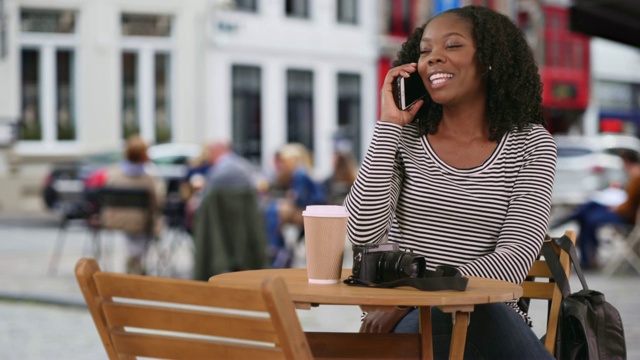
x=388, y=110
x=382, y=321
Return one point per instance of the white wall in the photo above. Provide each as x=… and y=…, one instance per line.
x=614, y=61
x=9, y=78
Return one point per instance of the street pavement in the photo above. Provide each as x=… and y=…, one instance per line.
x=44, y=316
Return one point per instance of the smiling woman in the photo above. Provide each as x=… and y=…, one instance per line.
x=463, y=177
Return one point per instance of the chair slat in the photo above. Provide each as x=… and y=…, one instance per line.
x=159, y=346
x=176, y=290
x=540, y=269
x=244, y=327
x=537, y=290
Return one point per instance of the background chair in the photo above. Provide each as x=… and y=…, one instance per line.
x=540, y=285
x=624, y=246
x=130, y=204
x=76, y=209
x=185, y=319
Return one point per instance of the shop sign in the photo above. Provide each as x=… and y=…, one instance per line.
x=564, y=91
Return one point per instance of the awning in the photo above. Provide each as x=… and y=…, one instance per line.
x=617, y=20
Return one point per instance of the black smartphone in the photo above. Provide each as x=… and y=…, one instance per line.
x=406, y=91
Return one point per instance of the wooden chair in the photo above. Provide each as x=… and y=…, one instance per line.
x=186, y=319
x=535, y=287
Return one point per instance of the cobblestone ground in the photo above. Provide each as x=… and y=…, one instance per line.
x=44, y=332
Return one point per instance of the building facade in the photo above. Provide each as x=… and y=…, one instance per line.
x=78, y=76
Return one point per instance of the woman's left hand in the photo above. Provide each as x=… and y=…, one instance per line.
x=382, y=321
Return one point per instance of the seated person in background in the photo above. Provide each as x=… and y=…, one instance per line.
x=601, y=211
x=337, y=185
x=294, y=174
x=131, y=174
x=192, y=185
x=228, y=169
x=463, y=177
x=224, y=170
x=228, y=229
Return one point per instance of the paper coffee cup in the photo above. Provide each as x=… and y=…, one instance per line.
x=325, y=231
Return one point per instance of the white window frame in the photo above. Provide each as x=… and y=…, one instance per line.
x=47, y=44
x=145, y=48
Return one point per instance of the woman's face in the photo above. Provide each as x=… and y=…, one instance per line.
x=448, y=63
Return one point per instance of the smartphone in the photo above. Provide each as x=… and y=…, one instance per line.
x=406, y=91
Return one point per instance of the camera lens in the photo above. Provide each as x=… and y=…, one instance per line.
x=399, y=265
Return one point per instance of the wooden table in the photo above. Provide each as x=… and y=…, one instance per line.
x=352, y=345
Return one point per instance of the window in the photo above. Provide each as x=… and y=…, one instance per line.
x=162, y=94
x=65, y=114
x=47, y=76
x=31, y=124
x=247, y=112
x=146, y=25
x=347, y=11
x=300, y=107
x=47, y=21
x=349, y=111
x=146, y=77
x=297, y=8
x=130, y=120
x=247, y=5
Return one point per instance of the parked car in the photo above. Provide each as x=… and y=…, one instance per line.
x=66, y=182
x=587, y=164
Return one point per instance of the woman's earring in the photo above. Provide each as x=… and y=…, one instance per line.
x=490, y=68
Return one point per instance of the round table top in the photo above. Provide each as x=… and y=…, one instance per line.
x=479, y=290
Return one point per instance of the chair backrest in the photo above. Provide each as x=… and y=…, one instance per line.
x=124, y=197
x=540, y=285
x=111, y=197
x=186, y=319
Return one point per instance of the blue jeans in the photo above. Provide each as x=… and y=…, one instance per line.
x=495, y=331
x=590, y=217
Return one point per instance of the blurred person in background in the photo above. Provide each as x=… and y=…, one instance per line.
x=131, y=173
x=228, y=169
x=294, y=176
x=228, y=228
x=193, y=185
x=221, y=168
x=606, y=208
x=338, y=184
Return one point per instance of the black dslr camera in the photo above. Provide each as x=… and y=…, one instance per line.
x=386, y=262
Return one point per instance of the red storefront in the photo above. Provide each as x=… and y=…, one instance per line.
x=565, y=71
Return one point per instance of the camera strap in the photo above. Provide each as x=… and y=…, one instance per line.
x=442, y=278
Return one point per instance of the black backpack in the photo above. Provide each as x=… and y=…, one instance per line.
x=588, y=326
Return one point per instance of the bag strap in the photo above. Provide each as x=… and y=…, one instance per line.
x=553, y=261
x=443, y=278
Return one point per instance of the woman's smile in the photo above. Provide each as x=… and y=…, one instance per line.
x=439, y=79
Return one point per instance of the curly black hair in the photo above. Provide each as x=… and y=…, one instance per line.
x=514, y=89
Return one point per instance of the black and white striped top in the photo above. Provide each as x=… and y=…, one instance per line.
x=489, y=220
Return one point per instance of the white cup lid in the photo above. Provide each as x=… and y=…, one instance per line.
x=325, y=211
